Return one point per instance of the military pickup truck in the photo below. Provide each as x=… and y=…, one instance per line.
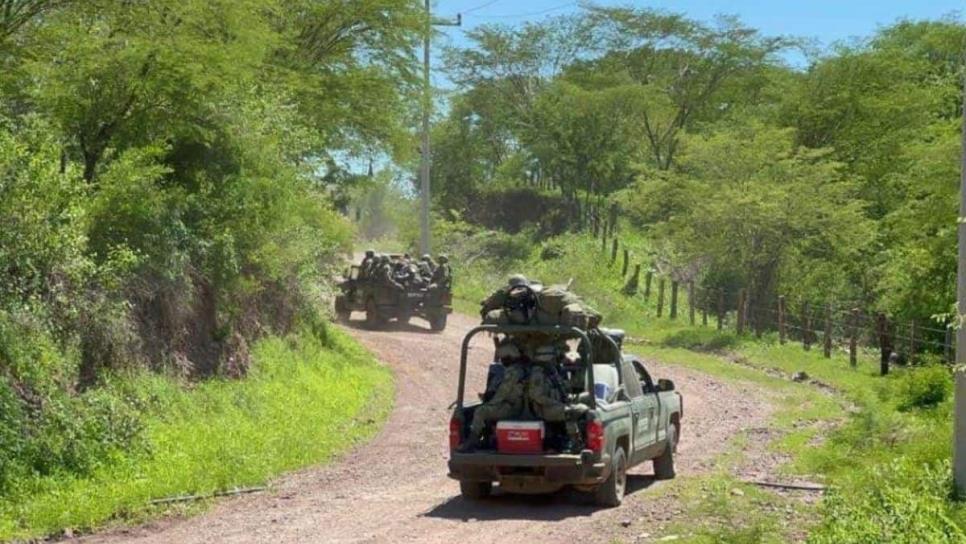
x=382, y=302
x=632, y=419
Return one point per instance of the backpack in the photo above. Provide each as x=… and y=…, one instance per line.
x=558, y=306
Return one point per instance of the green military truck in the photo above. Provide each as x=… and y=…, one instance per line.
x=631, y=419
x=382, y=302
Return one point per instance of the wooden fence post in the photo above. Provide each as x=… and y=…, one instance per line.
x=828, y=331
x=691, y=302
x=781, y=319
x=912, y=340
x=660, y=297
x=948, y=344
x=647, y=283
x=721, y=301
x=627, y=260
x=806, y=327
x=630, y=288
x=885, y=343
x=674, y=299
x=613, y=251
x=754, y=307
x=854, y=338
x=745, y=309
x=740, y=325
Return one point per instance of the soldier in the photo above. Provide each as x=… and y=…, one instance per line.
x=547, y=393
x=498, y=299
x=507, y=401
x=386, y=273
x=426, y=268
x=367, y=264
x=442, y=275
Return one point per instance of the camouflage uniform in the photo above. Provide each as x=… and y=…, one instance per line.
x=367, y=264
x=442, y=275
x=507, y=402
x=427, y=268
x=547, y=395
x=386, y=274
x=497, y=300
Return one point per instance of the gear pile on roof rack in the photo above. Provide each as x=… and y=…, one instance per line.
x=522, y=302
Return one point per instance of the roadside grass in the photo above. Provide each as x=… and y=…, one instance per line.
x=304, y=401
x=881, y=443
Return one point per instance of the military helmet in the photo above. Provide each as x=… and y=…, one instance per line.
x=370, y=253
x=516, y=280
x=425, y=258
x=443, y=258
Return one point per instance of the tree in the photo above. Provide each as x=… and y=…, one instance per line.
x=763, y=212
x=681, y=64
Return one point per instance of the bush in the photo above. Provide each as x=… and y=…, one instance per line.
x=900, y=503
x=922, y=387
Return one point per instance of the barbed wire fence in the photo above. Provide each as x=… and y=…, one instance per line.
x=842, y=326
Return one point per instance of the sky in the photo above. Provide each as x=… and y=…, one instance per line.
x=826, y=21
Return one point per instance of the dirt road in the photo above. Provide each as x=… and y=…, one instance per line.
x=395, y=488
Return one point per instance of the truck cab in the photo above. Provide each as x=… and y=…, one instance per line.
x=630, y=419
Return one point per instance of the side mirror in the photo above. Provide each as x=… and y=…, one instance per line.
x=665, y=385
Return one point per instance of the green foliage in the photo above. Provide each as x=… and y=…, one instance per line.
x=215, y=436
x=168, y=178
x=923, y=387
x=902, y=503
x=759, y=209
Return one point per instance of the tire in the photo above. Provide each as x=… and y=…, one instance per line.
x=664, y=465
x=342, y=312
x=475, y=491
x=437, y=322
x=374, y=319
x=610, y=493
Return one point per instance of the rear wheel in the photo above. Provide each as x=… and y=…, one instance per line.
x=374, y=319
x=475, y=490
x=342, y=311
x=437, y=322
x=611, y=492
x=664, y=465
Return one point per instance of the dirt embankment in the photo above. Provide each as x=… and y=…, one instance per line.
x=395, y=489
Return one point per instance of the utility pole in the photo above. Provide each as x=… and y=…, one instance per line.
x=959, y=420
x=425, y=245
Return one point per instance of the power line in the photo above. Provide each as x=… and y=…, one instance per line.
x=531, y=14
x=481, y=6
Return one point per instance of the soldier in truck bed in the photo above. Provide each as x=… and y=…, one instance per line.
x=499, y=297
x=507, y=401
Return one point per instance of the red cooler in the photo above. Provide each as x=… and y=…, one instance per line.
x=520, y=436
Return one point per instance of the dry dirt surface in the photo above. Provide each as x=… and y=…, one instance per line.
x=395, y=489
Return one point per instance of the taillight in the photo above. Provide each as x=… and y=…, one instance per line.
x=595, y=435
x=455, y=432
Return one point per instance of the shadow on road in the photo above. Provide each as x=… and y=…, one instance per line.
x=564, y=504
x=417, y=325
